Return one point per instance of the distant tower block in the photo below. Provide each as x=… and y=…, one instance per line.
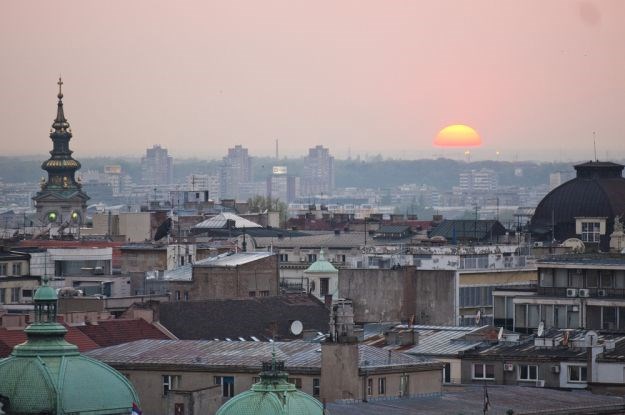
x=61, y=199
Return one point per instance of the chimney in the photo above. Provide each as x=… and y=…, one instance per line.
x=342, y=322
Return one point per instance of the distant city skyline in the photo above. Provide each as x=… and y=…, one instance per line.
x=535, y=79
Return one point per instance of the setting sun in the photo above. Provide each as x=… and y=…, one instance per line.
x=457, y=135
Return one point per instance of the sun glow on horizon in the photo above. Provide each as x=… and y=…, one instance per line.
x=457, y=135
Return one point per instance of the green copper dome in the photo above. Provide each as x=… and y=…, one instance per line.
x=273, y=395
x=321, y=266
x=46, y=374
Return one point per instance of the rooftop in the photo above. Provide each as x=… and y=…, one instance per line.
x=221, y=221
x=245, y=355
x=263, y=318
x=433, y=340
x=469, y=400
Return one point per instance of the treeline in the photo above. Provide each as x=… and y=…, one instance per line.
x=442, y=173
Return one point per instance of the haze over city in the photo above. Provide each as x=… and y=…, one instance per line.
x=534, y=78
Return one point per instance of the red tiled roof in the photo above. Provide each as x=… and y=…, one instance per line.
x=11, y=338
x=112, y=332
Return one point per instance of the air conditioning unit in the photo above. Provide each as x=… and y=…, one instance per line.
x=584, y=292
x=508, y=367
x=540, y=383
x=555, y=369
x=602, y=293
x=571, y=292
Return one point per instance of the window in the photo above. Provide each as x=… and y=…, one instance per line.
x=592, y=278
x=177, y=295
x=324, y=286
x=15, y=295
x=381, y=386
x=283, y=257
x=264, y=293
x=170, y=382
x=227, y=385
x=316, y=387
x=369, y=387
x=296, y=381
x=546, y=277
x=447, y=373
x=2, y=294
x=17, y=268
x=186, y=295
x=404, y=389
x=252, y=294
x=591, y=231
x=607, y=279
x=27, y=293
x=483, y=371
x=312, y=258
x=3, y=269
x=528, y=372
x=577, y=374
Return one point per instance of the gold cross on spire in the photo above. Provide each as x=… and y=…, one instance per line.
x=60, y=84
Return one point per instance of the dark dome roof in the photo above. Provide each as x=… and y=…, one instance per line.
x=597, y=191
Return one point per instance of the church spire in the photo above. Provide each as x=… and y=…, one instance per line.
x=60, y=123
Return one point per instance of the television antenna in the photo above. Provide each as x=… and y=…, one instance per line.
x=296, y=328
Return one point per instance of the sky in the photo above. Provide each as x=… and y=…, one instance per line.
x=536, y=79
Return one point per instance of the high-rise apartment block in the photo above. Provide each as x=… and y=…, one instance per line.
x=157, y=166
x=484, y=180
x=318, y=177
x=282, y=186
x=236, y=169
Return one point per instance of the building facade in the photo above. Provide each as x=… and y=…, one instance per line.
x=157, y=166
x=318, y=177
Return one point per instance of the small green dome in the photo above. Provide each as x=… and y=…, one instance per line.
x=45, y=293
x=273, y=395
x=321, y=266
x=46, y=374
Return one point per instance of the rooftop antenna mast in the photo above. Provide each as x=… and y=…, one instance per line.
x=594, y=142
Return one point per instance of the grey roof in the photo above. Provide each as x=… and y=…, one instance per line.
x=239, y=354
x=585, y=260
x=220, y=221
x=468, y=229
x=435, y=340
x=320, y=240
x=185, y=272
x=261, y=317
x=469, y=400
x=232, y=260
x=527, y=348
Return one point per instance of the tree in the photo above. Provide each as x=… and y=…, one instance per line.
x=260, y=204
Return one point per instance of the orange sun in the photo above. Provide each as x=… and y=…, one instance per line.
x=457, y=135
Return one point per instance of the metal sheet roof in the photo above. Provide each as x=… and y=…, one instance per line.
x=232, y=260
x=240, y=354
x=435, y=340
x=220, y=221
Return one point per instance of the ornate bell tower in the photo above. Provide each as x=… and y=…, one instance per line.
x=61, y=200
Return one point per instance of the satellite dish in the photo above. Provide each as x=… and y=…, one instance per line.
x=541, y=329
x=296, y=328
x=478, y=316
x=500, y=334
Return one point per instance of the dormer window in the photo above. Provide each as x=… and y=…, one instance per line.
x=590, y=229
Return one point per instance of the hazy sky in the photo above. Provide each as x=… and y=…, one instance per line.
x=535, y=78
